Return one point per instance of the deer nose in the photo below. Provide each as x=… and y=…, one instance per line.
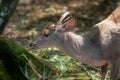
x=31, y=44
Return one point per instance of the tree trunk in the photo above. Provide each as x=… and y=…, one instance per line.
x=7, y=8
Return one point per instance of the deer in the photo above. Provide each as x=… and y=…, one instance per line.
x=98, y=47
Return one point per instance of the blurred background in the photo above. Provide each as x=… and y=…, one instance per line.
x=31, y=16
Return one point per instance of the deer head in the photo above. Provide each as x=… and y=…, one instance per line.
x=47, y=38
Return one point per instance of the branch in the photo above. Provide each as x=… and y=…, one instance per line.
x=33, y=67
x=6, y=11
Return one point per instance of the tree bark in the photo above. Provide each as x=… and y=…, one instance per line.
x=6, y=10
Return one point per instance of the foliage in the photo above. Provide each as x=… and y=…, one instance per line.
x=49, y=63
x=3, y=73
x=45, y=63
x=10, y=60
x=66, y=67
x=21, y=56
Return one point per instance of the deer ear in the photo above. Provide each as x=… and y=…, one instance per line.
x=70, y=25
x=65, y=17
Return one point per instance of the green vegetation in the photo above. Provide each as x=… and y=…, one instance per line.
x=65, y=67
x=48, y=63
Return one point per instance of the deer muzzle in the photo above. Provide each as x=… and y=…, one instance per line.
x=32, y=44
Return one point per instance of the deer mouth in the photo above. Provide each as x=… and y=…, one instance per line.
x=33, y=46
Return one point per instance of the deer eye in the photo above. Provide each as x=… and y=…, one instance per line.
x=46, y=35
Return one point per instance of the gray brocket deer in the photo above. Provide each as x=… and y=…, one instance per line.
x=98, y=47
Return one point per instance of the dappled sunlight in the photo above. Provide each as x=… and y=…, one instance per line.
x=37, y=14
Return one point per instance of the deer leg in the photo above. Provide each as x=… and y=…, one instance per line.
x=114, y=70
x=104, y=71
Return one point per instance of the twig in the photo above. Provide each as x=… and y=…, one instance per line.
x=33, y=68
x=88, y=73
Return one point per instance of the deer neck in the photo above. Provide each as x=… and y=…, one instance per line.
x=71, y=43
x=78, y=47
